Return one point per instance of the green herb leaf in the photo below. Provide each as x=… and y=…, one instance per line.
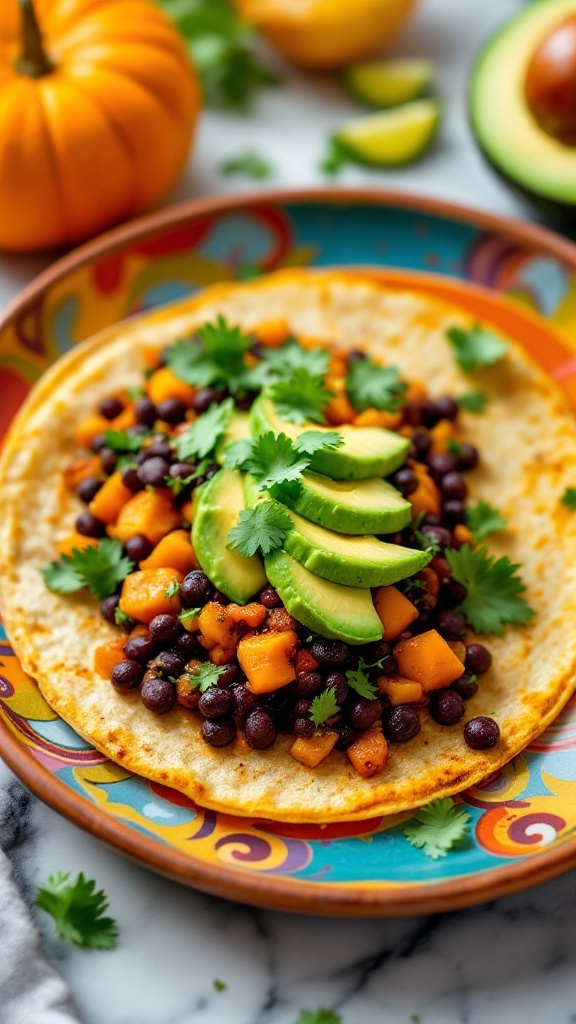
x=436, y=828
x=426, y=543
x=238, y=454
x=216, y=356
x=262, y=528
x=371, y=386
x=569, y=498
x=78, y=911
x=358, y=680
x=453, y=446
x=172, y=589
x=274, y=461
x=99, y=568
x=476, y=347
x=220, y=986
x=203, y=676
x=312, y=441
x=300, y=397
x=250, y=163
x=319, y=1016
x=135, y=392
x=122, y=441
x=483, y=519
x=334, y=159
x=204, y=433
x=492, y=589
x=189, y=613
x=120, y=617
x=291, y=356
x=473, y=401
x=187, y=359
x=323, y=707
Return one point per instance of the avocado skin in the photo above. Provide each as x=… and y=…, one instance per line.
x=349, y=572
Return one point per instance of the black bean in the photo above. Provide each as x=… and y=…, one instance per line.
x=164, y=627
x=88, y=488
x=157, y=450
x=405, y=480
x=211, y=470
x=421, y=440
x=442, y=463
x=220, y=733
x=308, y=684
x=450, y=625
x=302, y=728
x=337, y=681
x=89, y=526
x=269, y=598
x=127, y=674
x=108, y=458
x=439, y=534
x=478, y=659
x=481, y=733
x=196, y=589
x=465, y=685
x=138, y=547
x=220, y=598
x=454, y=511
x=453, y=486
x=363, y=713
x=216, y=703
x=431, y=520
x=260, y=730
x=401, y=723
x=140, y=648
x=171, y=410
x=206, y=397
x=468, y=457
x=108, y=607
x=347, y=736
x=330, y=652
x=145, y=411
x=167, y=664
x=181, y=470
x=302, y=707
x=446, y=408
x=453, y=593
x=158, y=695
x=98, y=442
x=244, y=700
x=446, y=706
x=355, y=355
x=110, y=407
x=229, y=676
x=152, y=472
x=187, y=646
x=130, y=479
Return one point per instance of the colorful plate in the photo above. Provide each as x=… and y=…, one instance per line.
x=517, y=277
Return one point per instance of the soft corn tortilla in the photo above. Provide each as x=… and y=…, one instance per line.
x=527, y=440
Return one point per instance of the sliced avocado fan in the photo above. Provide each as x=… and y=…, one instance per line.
x=353, y=507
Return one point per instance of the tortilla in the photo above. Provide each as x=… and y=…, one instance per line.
x=527, y=441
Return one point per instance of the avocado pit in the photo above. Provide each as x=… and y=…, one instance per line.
x=550, y=84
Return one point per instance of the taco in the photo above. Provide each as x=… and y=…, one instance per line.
x=324, y=522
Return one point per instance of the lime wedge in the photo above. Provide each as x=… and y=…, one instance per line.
x=387, y=83
x=390, y=138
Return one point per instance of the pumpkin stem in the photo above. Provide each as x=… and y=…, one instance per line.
x=33, y=60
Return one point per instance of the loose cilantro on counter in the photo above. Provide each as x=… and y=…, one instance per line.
x=492, y=589
x=323, y=707
x=371, y=386
x=473, y=401
x=483, y=519
x=220, y=986
x=358, y=681
x=476, y=347
x=78, y=911
x=99, y=568
x=262, y=528
x=436, y=828
x=249, y=163
x=300, y=397
x=204, y=433
x=292, y=356
x=276, y=462
x=569, y=498
x=319, y=1016
x=216, y=357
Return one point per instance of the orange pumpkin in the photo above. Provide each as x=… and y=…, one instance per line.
x=98, y=103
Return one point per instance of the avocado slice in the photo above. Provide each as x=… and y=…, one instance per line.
x=366, y=452
x=237, y=429
x=217, y=506
x=506, y=129
x=330, y=609
x=351, y=506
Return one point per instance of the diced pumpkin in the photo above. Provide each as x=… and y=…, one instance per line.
x=272, y=333
x=395, y=611
x=218, y=630
x=431, y=583
x=144, y=594
x=110, y=499
x=416, y=391
x=219, y=655
x=312, y=750
x=165, y=384
x=150, y=355
x=139, y=630
x=458, y=648
x=369, y=753
x=440, y=434
x=187, y=511
x=378, y=418
x=267, y=660
x=76, y=542
x=184, y=694
x=151, y=513
x=279, y=620
x=191, y=623
x=89, y=428
x=80, y=470
x=174, y=551
x=251, y=615
x=338, y=365
x=340, y=410
x=463, y=535
x=428, y=660
x=124, y=419
x=107, y=655
x=426, y=497
x=399, y=690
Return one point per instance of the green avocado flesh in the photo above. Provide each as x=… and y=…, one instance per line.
x=238, y=428
x=330, y=609
x=366, y=452
x=502, y=122
x=351, y=506
x=217, y=507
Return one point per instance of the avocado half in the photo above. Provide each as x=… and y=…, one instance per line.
x=534, y=163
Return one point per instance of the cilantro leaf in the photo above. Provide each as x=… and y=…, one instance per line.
x=312, y=441
x=319, y=1016
x=483, y=519
x=78, y=911
x=204, y=433
x=187, y=359
x=238, y=454
x=250, y=163
x=323, y=707
x=274, y=461
x=216, y=356
x=300, y=397
x=436, y=828
x=189, y=613
x=220, y=986
x=569, y=498
x=371, y=386
x=99, y=568
x=358, y=680
x=135, y=392
x=172, y=589
x=264, y=527
x=120, y=617
x=426, y=543
x=203, y=676
x=476, y=347
x=291, y=356
x=492, y=589
x=473, y=401
x=454, y=446
x=122, y=441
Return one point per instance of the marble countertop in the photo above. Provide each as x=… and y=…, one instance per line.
x=509, y=962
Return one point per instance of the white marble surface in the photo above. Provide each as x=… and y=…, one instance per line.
x=511, y=962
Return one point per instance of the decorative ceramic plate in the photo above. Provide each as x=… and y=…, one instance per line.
x=518, y=278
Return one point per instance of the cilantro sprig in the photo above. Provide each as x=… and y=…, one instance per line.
x=569, y=498
x=319, y=1016
x=203, y=676
x=437, y=827
x=123, y=441
x=204, y=433
x=78, y=910
x=484, y=519
x=262, y=528
x=476, y=347
x=358, y=680
x=492, y=589
x=99, y=568
x=250, y=163
x=292, y=356
x=301, y=396
x=473, y=401
x=216, y=357
x=323, y=707
x=371, y=386
x=276, y=462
